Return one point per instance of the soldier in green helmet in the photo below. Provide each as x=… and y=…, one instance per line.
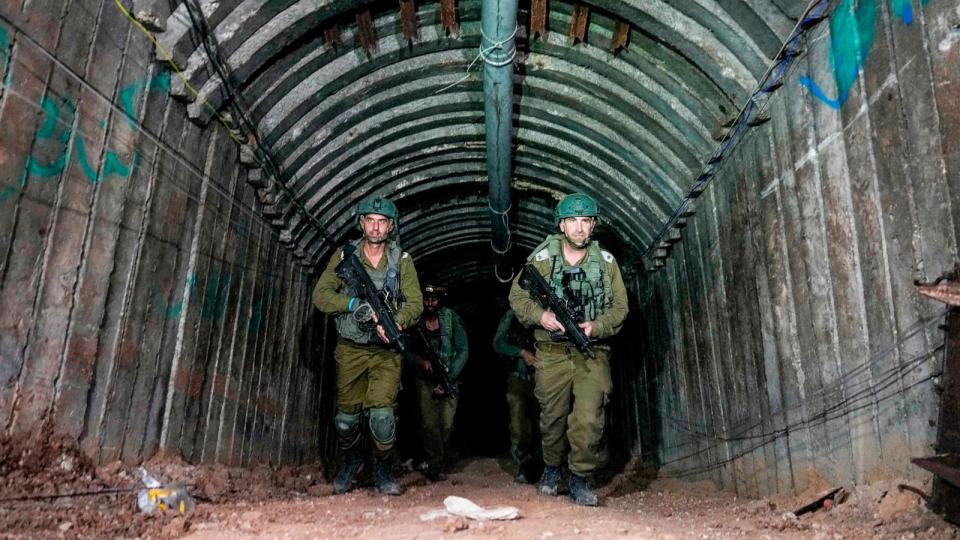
x=368, y=371
x=571, y=387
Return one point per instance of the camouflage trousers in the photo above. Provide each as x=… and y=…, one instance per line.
x=573, y=391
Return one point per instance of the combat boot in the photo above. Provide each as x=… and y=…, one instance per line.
x=550, y=481
x=580, y=492
x=385, y=485
x=348, y=470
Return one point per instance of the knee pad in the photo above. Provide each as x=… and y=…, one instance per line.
x=347, y=426
x=383, y=425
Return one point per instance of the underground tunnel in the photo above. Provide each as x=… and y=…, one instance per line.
x=774, y=183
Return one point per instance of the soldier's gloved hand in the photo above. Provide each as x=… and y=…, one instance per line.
x=438, y=391
x=363, y=312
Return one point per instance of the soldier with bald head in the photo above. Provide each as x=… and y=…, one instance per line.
x=368, y=370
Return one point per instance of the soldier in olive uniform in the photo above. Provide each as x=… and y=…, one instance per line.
x=571, y=387
x=368, y=372
x=443, y=332
x=515, y=343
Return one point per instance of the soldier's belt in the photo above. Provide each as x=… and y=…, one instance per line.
x=560, y=347
x=373, y=345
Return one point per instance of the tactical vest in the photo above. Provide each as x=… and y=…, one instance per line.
x=446, y=334
x=387, y=282
x=594, y=293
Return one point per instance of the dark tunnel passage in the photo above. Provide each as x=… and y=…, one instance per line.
x=777, y=182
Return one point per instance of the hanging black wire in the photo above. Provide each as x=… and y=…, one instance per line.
x=239, y=108
x=870, y=394
x=772, y=80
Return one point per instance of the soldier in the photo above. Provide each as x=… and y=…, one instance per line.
x=589, y=280
x=368, y=372
x=515, y=343
x=442, y=331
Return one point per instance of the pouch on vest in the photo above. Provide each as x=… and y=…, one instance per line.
x=358, y=327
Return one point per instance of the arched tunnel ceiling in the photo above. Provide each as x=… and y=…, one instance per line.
x=403, y=118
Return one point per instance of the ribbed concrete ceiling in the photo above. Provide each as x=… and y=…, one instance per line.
x=343, y=122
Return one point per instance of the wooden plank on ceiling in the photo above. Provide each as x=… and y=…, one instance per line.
x=408, y=20
x=365, y=31
x=448, y=15
x=538, y=18
x=578, y=23
x=331, y=37
x=621, y=36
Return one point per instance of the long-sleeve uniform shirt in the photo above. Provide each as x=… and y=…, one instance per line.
x=573, y=427
x=606, y=325
x=332, y=296
x=508, y=343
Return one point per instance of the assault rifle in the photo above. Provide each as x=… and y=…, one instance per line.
x=532, y=282
x=441, y=371
x=351, y=270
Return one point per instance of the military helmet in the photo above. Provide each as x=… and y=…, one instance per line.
x=378, y=205
x=576, y=204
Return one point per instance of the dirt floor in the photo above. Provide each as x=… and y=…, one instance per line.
x=297, y=503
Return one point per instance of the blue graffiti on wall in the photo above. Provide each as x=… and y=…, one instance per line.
x=852, y=33
x=53, y=137
x=904, y=9
x=132, y=92
x=53, y=129
x=112, y=164
x=56, y=129
x=217, y=289
x=213, y=305
x=261, y=304
x=215, y=296
x=172, y=310
x=5, y=55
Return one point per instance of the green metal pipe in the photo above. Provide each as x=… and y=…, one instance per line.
x=498, y=22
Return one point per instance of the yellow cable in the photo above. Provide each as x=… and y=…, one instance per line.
x=176, y=69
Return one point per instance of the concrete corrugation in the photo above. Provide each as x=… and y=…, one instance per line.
x=336, y=146
x=802, y=347
x=146, y=305
x=152, y=300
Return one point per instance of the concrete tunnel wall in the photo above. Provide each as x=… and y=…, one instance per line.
x=148, y=303
x=789, y=340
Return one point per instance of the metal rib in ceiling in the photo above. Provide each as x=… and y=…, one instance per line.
x=631, y=128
